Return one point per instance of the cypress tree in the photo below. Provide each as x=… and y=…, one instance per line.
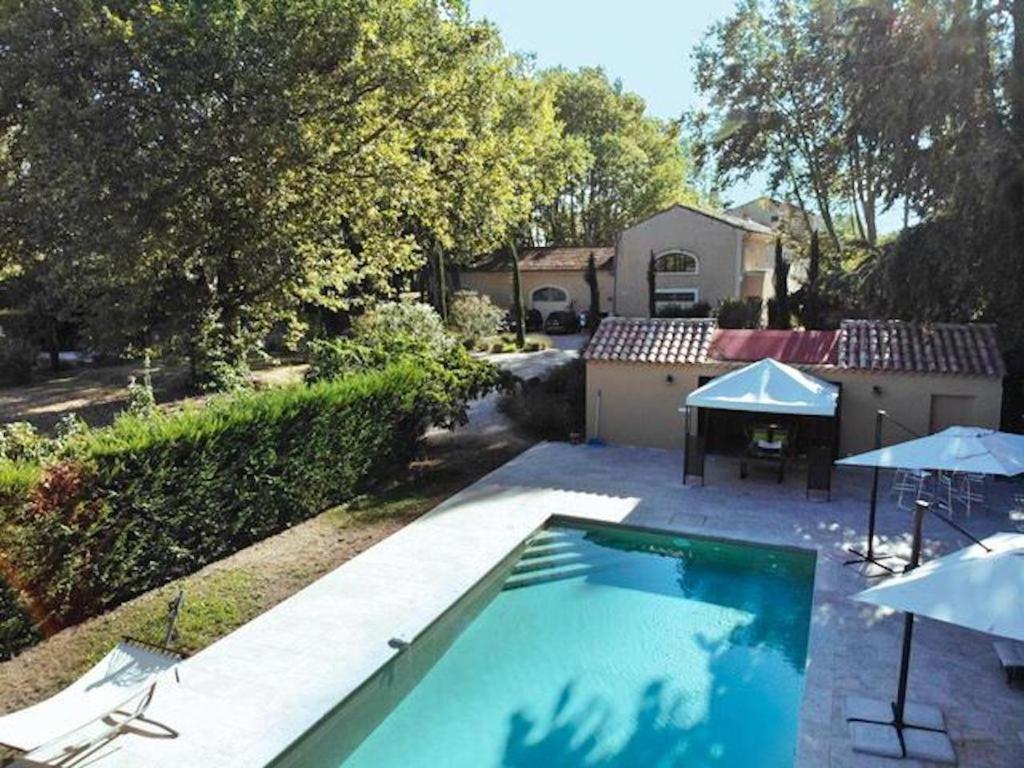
x=518, y=311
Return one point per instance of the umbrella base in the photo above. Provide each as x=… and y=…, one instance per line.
x=863, y=558
x=923, y=734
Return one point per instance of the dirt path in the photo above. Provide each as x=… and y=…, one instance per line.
x=98, y=394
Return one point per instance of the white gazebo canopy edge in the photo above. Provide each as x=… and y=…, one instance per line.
x=767, y=386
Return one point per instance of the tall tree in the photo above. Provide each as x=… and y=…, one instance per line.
x=778, y=308
x=222, y=164
x=518, y=307
x=812, y=287
x=594, y=315
x=625, y=164
x=779, y=102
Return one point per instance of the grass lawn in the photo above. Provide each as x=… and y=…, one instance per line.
x=228, y=593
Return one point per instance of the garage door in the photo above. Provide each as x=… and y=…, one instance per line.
x=951, y=411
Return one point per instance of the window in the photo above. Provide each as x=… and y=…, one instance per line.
x=680, y=297
x=676, y=261
x=550, y=293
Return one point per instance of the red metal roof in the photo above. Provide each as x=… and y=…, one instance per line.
x=793, y=347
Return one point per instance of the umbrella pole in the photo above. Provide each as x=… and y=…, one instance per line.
x=869, y=555
x=920, y=508
x=898, y=720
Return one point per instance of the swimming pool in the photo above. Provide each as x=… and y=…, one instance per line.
x=594, y=646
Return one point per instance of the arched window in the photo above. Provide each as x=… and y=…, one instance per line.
x=679, y=262
x=550, y=293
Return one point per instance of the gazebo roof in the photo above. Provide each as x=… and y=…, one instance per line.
x=768, y=386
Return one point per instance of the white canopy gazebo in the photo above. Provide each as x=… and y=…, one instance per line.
x=766, y=387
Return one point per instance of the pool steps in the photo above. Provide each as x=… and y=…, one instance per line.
x=553, y=556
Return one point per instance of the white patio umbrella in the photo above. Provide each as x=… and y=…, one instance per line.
x=980, y=587
x=956, y=449
x=972, y=587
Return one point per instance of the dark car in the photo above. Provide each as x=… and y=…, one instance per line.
x=561, y=322
x=533, y=321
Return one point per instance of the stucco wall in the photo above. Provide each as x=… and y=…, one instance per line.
x=640, y=407
x=498, y=285
x=908, y=399
x=723, y=252
x=717, y=246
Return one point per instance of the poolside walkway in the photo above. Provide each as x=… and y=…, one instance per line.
x=241, y=701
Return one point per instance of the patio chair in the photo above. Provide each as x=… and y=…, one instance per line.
x=909, y=485
x=972, y=490
x=1011, y=656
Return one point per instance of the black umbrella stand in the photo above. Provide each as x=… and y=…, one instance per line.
x=899, y=706
x=868, y=555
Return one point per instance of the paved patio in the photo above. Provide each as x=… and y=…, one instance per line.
x=246, y=697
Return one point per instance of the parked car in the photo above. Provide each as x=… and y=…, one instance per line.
x=534, y=321
x=561, y=322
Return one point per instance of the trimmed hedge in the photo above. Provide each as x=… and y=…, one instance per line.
x=150, y=499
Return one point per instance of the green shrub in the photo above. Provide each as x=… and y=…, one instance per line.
x=397, y=326
x=22, y=442
x=739, y=313
x=151, y=498
x=551, y=408
x=17, y=630
x=473, y=316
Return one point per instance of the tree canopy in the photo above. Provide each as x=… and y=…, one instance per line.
x=193, y=172
x=623, y=164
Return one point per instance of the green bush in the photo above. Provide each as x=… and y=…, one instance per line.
x=151, y=498
x=17, y=630
x=551, y=408
x=739, y=313
x=397, y=326
x=473, y=316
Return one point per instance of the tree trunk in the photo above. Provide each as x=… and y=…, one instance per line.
x=1015, y=85
x=442, y=285
x=53, y=344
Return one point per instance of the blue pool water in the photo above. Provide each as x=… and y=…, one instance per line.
x=603, y=647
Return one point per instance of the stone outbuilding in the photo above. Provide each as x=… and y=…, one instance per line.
x=926, y=377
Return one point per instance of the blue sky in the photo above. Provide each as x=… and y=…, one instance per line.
x=645, y=43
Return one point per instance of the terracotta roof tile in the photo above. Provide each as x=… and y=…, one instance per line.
x=906, y=347
x=549, y=260
x=667, y=341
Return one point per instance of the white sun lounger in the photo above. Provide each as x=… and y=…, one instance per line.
x=130, y=669
x=86, y=742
